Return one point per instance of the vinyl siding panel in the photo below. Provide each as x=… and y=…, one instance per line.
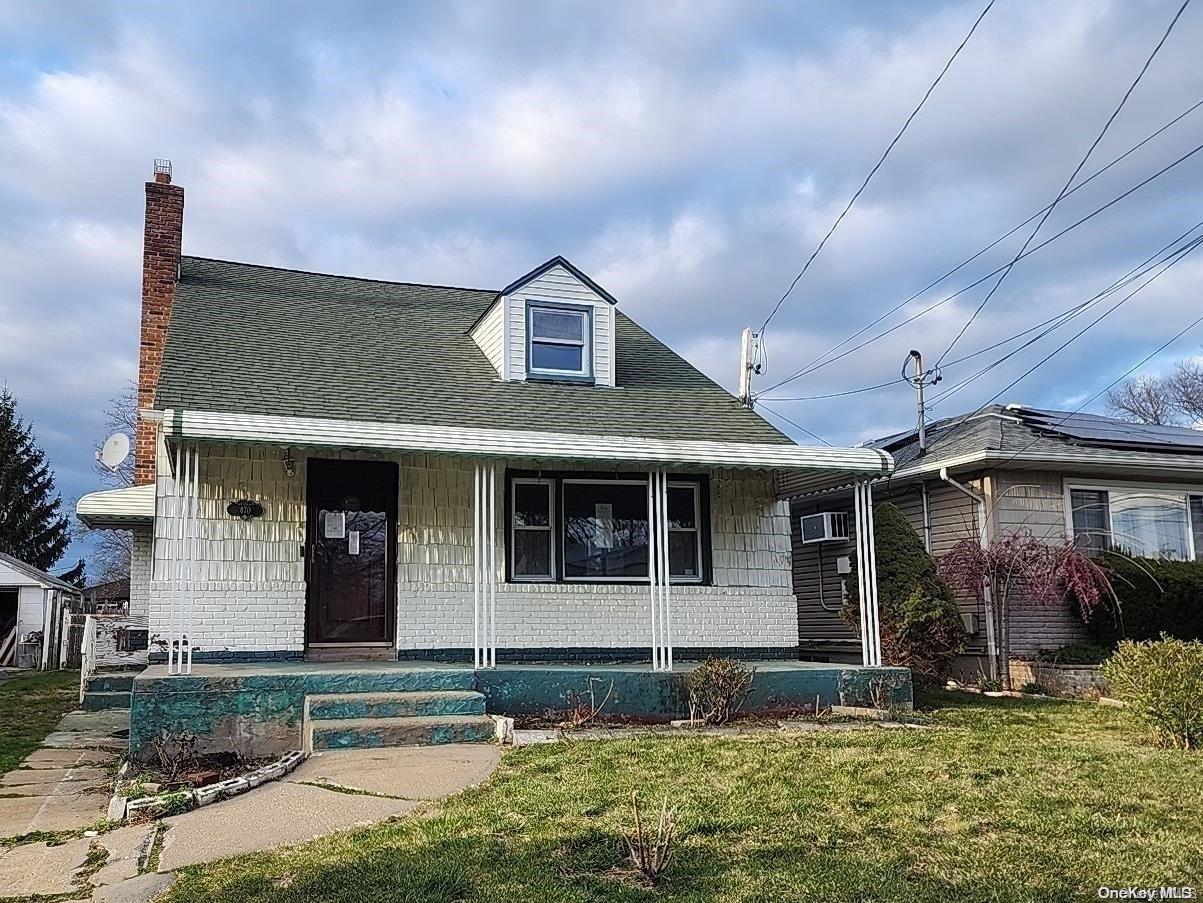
x=1034, y=501
x=818, y=588
x=488, y=335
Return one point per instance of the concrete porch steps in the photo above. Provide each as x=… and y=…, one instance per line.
x=373, y=719
x=414, y=730
x=108, y=690
x=395, y=705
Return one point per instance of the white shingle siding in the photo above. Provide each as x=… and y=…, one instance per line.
x=140, y=566
x=560, y=286
x=252, y=596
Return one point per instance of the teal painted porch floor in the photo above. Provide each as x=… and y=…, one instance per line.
x=258, y=708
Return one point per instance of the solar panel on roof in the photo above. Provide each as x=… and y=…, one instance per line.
x=1102, y=430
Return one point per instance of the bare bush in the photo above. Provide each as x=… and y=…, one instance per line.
x=650, y=854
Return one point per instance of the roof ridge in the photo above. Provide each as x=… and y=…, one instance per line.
x=295, y=272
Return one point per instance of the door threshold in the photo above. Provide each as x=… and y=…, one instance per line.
x=351, y=652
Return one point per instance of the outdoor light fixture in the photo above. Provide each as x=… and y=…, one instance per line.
x=290, y=466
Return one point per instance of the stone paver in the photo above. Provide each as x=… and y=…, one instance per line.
x=126, y=847
x=270, y=816
x=67, y=758
x=413, y=772
x=29, y=777
x=142, y=889
x=35, y=868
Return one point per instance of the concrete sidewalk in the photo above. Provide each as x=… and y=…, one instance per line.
x=67, y=786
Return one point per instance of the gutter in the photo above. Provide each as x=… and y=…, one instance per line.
x=987, y=590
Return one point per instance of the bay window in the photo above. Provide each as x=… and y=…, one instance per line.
x=1149, y=522
x=594, y=528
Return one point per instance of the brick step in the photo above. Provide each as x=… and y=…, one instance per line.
x=341, y=706
x=112, y=681
x=99, y=700
x=373, y=733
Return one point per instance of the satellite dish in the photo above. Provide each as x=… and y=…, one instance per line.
x=114, y=451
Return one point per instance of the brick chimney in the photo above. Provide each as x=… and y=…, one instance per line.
x=161, y=239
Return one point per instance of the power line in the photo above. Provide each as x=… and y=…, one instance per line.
x=873, y=171
x=1006, y=235
x=1054, y=322
x=1172, y=259
x=1194, y=244
x=804, y=371
x=793, y=423
x=1065, y=188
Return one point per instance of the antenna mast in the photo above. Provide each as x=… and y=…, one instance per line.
x=919, y=380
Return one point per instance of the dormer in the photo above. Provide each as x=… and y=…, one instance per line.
x=554, y=324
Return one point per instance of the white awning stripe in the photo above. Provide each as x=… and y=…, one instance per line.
x=453, y=440
x=111, y=508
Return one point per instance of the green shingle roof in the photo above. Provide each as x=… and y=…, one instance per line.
x=258, y=340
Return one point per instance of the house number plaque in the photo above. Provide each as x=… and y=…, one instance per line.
x=245, y=509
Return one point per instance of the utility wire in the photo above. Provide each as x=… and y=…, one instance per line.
x=1172, y=259
x=1005, y=236
x=811, y=368
x=1065, y=188
x=1194, y=244
x=1052, y=323
x=794, y=423
x=873, y=171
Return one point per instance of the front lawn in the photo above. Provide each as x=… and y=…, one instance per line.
x=999, y=800
x=30, y=708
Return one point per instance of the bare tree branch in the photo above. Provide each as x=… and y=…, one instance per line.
x=1145, y=399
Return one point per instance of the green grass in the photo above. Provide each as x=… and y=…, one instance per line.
x=30, y=708
x=998, y=800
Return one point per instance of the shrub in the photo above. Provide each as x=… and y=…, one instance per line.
x=1075, y=654
x=921, y=625
x=717, y=689
x=1162, y=682
x=1035, y=689
x=650, y=854
x=1154, y=597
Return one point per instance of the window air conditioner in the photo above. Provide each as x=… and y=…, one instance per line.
x=826, y=526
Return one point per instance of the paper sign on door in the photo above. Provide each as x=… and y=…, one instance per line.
x=352, y=542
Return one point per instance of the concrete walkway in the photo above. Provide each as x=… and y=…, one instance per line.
x=64, y=786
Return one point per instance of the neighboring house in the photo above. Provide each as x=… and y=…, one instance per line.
x=334, y=468
x=31, y=606
x=1096, y=480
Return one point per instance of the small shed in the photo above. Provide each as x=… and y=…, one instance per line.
x=31, y=606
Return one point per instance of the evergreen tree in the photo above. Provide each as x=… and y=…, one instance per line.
x=32, y=525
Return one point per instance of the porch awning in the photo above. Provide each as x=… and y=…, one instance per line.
x=798, y=460
x=117, y=509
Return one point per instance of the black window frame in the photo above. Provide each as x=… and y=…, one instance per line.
x=557, y=478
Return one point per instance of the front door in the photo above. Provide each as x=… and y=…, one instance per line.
x=351, y=546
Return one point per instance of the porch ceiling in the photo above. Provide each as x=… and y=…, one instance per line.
x=802, y=462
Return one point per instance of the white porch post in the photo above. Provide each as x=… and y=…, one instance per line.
x=484, y=560
x=866, y=574
x=657, y=566
x=177, y=582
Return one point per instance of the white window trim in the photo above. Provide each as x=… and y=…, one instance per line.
x=696, y=529
x=585, y=343
x=1187, y=490
x=549, y=486
x=583, y=481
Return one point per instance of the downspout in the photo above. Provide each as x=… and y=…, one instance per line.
x=926, y=517
x=987, y=590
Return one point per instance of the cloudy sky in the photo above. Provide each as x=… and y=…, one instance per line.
x=687, y=155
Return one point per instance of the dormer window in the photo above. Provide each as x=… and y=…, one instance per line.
x=559, y=341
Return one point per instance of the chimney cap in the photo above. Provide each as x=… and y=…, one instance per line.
x=162, y=169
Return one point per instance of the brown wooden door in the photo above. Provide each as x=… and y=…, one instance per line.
x=352, y=542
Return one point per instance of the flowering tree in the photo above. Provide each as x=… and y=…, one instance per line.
x=1017, y=567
